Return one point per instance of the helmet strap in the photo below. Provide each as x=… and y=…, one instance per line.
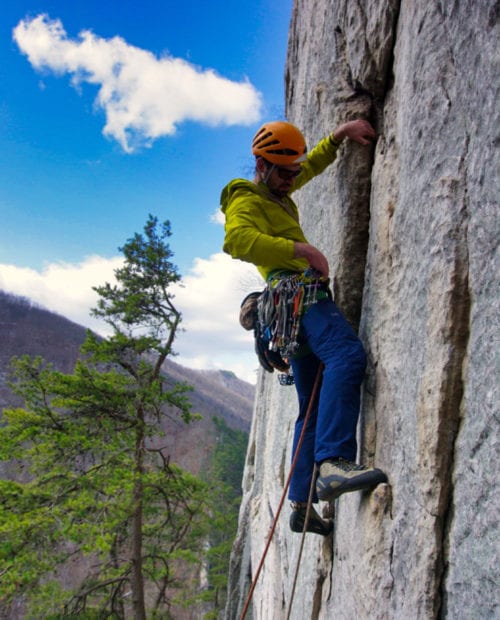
x=264, y=169
x=269, y=173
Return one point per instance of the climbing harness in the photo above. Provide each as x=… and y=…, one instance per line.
x=283, y=496
x=274, y=315
x=282, y=304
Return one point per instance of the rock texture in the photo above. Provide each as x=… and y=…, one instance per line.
x=410, y=227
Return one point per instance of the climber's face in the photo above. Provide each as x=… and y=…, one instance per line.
x=279, y=179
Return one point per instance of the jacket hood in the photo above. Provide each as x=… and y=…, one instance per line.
x=236, y=185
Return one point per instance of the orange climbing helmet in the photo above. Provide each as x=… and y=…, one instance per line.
x=280, y=143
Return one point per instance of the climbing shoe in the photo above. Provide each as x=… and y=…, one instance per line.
x=315, y=524
x=337, y=476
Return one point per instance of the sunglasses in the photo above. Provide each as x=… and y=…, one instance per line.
x=286, y=174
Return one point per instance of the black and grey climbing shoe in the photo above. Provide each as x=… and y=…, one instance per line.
x=337, y=476
x=315, y=524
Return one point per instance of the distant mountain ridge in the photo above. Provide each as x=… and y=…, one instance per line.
x=26, y=328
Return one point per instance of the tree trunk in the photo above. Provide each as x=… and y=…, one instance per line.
x=139, y=606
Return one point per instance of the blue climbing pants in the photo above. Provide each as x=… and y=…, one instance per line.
x=331, y=429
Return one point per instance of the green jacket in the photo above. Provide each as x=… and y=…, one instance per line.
x=261, y=229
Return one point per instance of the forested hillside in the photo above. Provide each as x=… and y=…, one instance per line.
x=28, y=329
x=67, y=421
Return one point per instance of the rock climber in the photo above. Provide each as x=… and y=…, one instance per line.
x=262, y=227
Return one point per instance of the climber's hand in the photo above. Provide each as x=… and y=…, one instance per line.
x=359, y=130
x=313, y=256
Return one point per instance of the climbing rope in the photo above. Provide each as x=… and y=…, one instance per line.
x=283, y=495
x=302, y=540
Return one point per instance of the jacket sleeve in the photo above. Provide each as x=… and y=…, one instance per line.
x=247, y=239
x=321, y=156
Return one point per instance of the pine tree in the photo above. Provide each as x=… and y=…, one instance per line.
x=93, y=481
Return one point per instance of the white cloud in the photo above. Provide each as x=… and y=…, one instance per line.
x=143, y=96
x=209, y=301
x=64, y=288
x=218, y=217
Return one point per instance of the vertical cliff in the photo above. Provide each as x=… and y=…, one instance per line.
x=411, y=231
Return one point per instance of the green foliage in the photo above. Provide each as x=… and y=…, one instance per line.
x=142, y=299
x=229, y=456
x=90, y=481
x=224, y=476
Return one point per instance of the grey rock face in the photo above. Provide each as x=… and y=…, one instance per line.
x=410, y=227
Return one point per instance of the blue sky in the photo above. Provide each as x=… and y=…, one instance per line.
x=151, y=111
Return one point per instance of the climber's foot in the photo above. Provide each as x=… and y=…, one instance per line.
x=315, y=524
x=337, y=476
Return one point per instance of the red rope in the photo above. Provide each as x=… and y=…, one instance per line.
x=302, y=541
x=283, y=495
